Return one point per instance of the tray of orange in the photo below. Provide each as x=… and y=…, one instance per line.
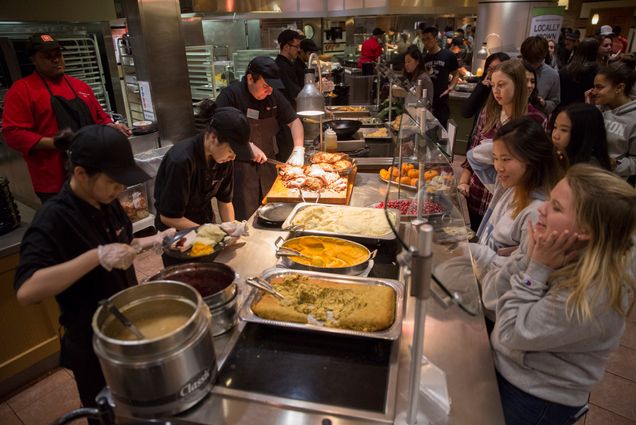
x=407, y=176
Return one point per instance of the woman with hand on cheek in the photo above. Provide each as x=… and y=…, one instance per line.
x=562, y=305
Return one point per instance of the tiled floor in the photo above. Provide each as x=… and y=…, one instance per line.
x=612, y=403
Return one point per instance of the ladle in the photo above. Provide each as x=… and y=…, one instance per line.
x=123, y=319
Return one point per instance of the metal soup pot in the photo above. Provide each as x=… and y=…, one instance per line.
x=216, y=283
x=174, y=366
x=291, y=262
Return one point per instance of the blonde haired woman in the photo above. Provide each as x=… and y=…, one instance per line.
x=562, y=304
x=508, y=100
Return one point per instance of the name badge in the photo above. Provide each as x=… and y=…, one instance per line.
x=252, y=113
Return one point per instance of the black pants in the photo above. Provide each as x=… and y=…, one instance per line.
x=441, y=111
x=79, y=357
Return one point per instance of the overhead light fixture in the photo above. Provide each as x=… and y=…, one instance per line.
x=310, y=102
x=595, y=19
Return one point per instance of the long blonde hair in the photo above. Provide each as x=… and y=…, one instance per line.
x=515, y=70
x=605, y=208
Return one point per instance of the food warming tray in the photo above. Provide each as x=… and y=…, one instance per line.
x=392, y=333
x=287, y=225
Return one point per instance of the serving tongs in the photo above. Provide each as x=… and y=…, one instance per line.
x=264, y=285
x=288, y=252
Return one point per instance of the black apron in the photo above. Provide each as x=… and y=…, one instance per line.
x=69, y=113
x=252, y=181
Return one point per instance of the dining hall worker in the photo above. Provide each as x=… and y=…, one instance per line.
x=200, y=168
x=371, y=49
x=38, y=107
x=259, y=98
x=562, y=304
x=80, y=247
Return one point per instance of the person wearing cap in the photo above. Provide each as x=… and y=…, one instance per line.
x=80, y=246
x=307, y=47
x=200, y=168
x=371, y=48
x=259, y=98
x=38, y=107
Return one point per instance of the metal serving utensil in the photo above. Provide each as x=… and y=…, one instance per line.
x=264, y=285
x=123, y=319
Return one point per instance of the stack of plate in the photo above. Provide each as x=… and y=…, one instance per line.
x=9, y=214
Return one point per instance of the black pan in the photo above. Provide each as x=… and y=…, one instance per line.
x=274, y=214
x=344, y=128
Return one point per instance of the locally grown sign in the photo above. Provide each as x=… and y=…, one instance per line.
x=547, y=22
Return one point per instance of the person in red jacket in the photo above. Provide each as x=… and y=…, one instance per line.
x=371, y=48
x=38, y=107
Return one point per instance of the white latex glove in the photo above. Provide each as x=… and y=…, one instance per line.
x=116, y=256
x=297, y=157
x=155, y=241
x=327, y=85
x=259, y=155
x=235, y=228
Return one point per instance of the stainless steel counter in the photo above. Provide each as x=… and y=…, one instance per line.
x=454, y=341
x=10, y=242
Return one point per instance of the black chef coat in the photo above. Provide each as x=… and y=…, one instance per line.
x=64, y=228
x=274, y=105
x=266, y=118
x=187, y=181
x=289, y=77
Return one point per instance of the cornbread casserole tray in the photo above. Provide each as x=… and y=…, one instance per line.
x=287, y=225
x=391, y=333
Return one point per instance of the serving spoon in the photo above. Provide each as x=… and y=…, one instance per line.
x=123, y=319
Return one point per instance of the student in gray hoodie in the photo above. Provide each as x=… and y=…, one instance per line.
x=562, y=303
x=519, y=167
x=612, y=87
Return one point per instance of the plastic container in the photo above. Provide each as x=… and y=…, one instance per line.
x=331, y=140
x=134, y=200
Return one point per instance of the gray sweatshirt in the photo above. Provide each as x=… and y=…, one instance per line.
x=498, y=228
x=536, y=347
x=620, y=126
x=549, y=87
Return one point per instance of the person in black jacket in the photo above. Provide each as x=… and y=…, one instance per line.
x=578, y=76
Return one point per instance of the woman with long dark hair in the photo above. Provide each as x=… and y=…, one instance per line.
x=578, y=76
x=414, y=71
x=579, y=136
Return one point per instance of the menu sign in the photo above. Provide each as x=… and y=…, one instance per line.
x=547, y=22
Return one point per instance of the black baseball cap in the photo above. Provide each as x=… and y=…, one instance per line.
x=107, y=150
x=231, y=126
x=378, y=31
x=286, y=37
x=40, y=42
x=266, y=67
x=308, y=45
x=457, y=42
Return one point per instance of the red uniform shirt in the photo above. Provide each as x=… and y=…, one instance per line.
x=370, y=52
x=28, y=117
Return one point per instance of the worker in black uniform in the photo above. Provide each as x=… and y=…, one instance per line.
x=80, y=247
x=200, y=168
x=258, y=96
x=289, y=45
x=307, y=47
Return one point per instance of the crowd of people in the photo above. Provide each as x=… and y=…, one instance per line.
x=549, y=181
